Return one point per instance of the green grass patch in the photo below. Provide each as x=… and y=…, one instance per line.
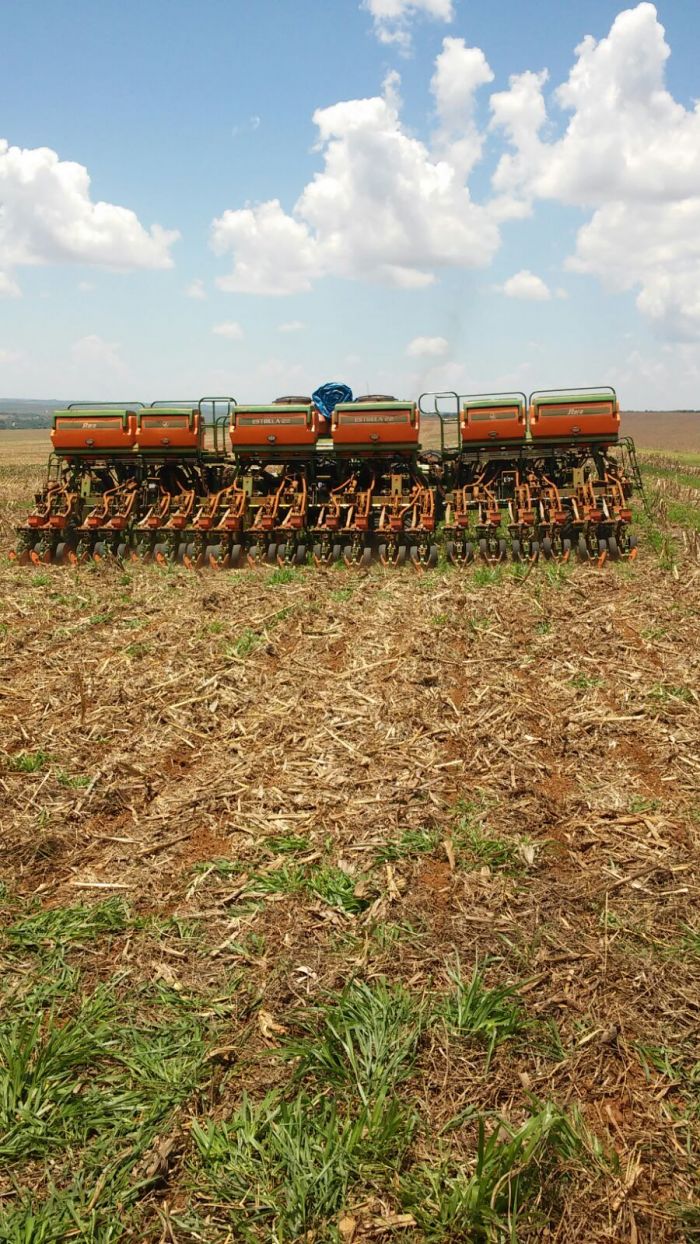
x=640, y=804
x=489, y=1016
x=337, y=888
x=664, y=693
x=59, y=926
x=412, y=842
x=284, y=574
x=691, y=940
x=287, y=879
x=72, y=782
x=477, y=848
x=28, y=762
x=364, y=1040
x=585, y=682
x=283, y=844
x=89, y=1083
x=681, y=1067
x=135, y=651
x=247, y=641
x=488, y=576
x=492, y=1201
x=283, y=1169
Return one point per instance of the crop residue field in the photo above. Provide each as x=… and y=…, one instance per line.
x=347, y=905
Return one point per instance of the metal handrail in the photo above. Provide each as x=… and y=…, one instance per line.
x=470, y=397
x=436, y=396
x=588, y=388
x=216, y=420
x=172, y=405
x=106, y=406
x=230, y=401
x=442, y=415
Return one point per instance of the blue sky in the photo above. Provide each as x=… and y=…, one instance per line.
x=471, y=226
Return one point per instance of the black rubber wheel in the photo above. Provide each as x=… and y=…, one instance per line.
x=450, y=551
x=613, y=549
x=632, y=542
x=582, y=550
x=99, y=551
x=337, y=552
x=468, y=551
x=516, y=550
x=271, y=554
x=602, y=546
x=254, y=551
x=397, y=560
x=566, y=546
x=427, y=558
x=547, y=548
x=300, y=555
x=484, y=549
x=366, y=559
x=502, y=550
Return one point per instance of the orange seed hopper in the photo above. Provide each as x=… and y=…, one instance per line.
x=371, y=424
x=493, y=417
x=280, y=426
x=169, y=430
x=577, y=415
x=92, y=430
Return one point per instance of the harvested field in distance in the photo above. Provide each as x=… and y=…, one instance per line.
x=351, y=906
x=661, y=429
x=666, y=429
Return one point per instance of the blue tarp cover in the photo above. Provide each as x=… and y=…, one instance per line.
x=327, y=397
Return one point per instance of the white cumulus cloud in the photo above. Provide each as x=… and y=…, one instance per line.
x=196, y=289
x=48, y=216
x=526, y=284
x=383, y=208
x=459, y=72
x=291, y=326
x=229, y=329
x=8, y=287
x=610, y=142
x=630, y=153
x=94, y=354
x=427, y=347
x=392, y=18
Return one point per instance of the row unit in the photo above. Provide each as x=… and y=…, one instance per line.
x=367, y=425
